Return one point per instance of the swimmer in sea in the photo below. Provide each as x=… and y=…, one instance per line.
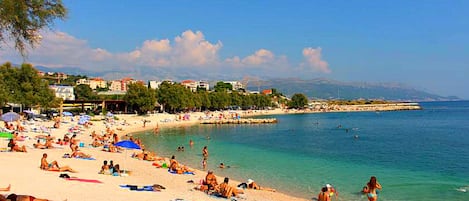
x=222, y=165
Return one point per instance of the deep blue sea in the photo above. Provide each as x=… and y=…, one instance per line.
x=416, y=155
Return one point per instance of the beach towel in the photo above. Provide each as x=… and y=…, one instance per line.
x=85, y=158
x=139, y=188
x=84, y=180
x=174, y=172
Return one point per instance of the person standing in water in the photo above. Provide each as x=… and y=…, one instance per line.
x=371, y=189
x=191, y=143
x=205, y=152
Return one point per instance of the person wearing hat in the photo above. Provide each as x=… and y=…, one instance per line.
x=253, y=185
x=331, y=190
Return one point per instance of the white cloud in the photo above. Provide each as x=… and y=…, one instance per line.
x=261, y=56
x=313, y=60
x=188, y=50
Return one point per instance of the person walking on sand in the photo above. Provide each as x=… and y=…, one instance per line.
x=371, y=189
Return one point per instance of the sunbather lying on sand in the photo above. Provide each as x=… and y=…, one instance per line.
x=253, y=185
x=53, y=166
x=6, y=189
x=79, y=154
x=148, y=156
x=14, y=197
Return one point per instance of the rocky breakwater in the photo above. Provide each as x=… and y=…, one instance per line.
x=240, y=121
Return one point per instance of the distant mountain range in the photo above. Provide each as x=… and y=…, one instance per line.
x=319, y=88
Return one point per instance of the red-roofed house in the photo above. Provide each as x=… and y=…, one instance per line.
x=267, y=91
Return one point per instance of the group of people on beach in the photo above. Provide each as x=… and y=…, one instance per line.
x=210, y=185
x=110, y=169
x=370, y=190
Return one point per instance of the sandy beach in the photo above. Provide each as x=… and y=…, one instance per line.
x=22, y=171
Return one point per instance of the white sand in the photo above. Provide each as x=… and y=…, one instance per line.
x=21, y=170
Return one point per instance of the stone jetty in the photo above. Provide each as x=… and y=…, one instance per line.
x=240, y=121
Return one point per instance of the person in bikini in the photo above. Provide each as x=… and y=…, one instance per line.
x=324, y=195
x=371, y=189
x=15, y=147
x=53, y=166
x=253, y=185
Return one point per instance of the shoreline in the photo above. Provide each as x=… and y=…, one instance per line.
x=21, y=170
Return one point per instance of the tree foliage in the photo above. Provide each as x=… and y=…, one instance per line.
x=21, y=20
x=24, y=86
x=223, y=87
x=84, y=92
x=140, y=98
x=298, y=101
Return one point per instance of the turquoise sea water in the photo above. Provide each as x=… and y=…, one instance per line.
x=416, y=155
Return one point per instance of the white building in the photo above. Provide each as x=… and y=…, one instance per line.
x=94, y=83
x=64, y=92
x=156, y=84
x=203, y=85
x=236, y=85
x=190, y=84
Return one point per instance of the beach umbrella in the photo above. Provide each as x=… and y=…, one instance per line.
x=67, y=113
x=10, y=116
x=109, y=114
x=127, y=144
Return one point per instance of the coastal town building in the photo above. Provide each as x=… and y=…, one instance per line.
x=153, y=84
x=203, y=85
x=121, y=85
x=267, y=91
x=190, y=84
x=236, y=85
x=64, y=92
x=94, y=83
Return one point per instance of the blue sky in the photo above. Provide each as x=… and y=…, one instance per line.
x=423, y=44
